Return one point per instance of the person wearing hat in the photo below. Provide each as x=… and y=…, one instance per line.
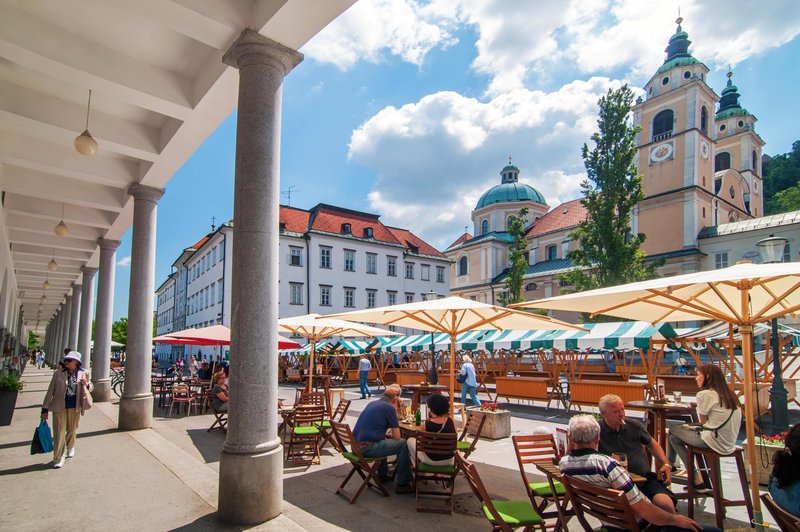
x=378, y=419
x=67, y=397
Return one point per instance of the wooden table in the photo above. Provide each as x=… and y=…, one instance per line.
x=286, y=419
x=418, y=390
x=409, y=430
x=658, y=413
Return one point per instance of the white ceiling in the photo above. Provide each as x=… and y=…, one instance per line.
x=159, y=90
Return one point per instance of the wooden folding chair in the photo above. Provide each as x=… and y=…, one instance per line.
x=326, y=431
x=786, y=522
x=367, y=468
x=181, y=395
x=474, y=426
x=503, y=515
x=542, y=448
x=608, y=505
x=303, y=445
x=427, y=477
x=220, y=418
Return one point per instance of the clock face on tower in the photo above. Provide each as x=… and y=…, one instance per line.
x=704, y=150
x=661, y=152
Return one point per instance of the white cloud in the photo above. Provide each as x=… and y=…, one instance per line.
x=434, y=158
x=124, y=261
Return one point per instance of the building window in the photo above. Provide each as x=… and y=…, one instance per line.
x=704, y=119
x=409, y=297
x=371, y=295
x=325, y=257
x=391, y=297
x=368, y=232
x=440, y=274
x=222, y=251
x=409, y=270
x=462, y=266
x=754, y=162
x=425, y=272
x=349, y=260
x=324, y=296
x=787, y=256
x=722, y=161
x=552, y=252
x=205, y=297
x=530, y=287
x=562, y=283
x=346, y=229
x=295, y=256
x=391, y=266
x=213, y=289
x=721, y=260
x=219, y=291
x=485, y=227
x=349, y=297
x=662, y=125
x=372, y=263
x=295, y=293
x=214, y=256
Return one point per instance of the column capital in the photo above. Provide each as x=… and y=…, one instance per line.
x=253, y=48
x=87, y=270
x=108, y=244
x=144, y=192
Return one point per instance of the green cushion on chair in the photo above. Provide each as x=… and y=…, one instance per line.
x=542, y=489
x=323, y=424
x=305, y=431
x=447, y=469
x=519, y=513
x=463, y=445
x=353, y=458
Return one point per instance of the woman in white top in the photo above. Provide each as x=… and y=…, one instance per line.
x=194, y=365
x=720, y=414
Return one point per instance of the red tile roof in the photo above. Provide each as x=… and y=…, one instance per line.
x=411, y=241
x=566, y=215
x=200, y=242
x=460, y=240
x=296, y=220
x=330, y=219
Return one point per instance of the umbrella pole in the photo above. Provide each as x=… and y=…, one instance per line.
x=311, y=364
x=453, y=374
x=747, y=355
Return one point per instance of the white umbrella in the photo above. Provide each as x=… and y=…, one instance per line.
x=314, y=327
x=743, y=295
x=455, y=315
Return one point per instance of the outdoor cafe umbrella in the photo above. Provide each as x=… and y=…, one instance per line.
x=314, y=327
x=211, y=335
x=742, y=295
x=453, y=316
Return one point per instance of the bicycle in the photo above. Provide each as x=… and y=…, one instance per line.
x=118, y=381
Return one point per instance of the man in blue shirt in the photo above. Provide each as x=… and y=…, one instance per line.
x=370, y=433
x=363, y=372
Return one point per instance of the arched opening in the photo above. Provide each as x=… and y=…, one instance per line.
x=484, y=227
x=704, y=119
x=722, y=161
x=754, y=159
x=662, y=125
x=462, y=266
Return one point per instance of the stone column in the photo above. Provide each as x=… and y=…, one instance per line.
x=67, y=313
x=251, y=463
x=136, y=405
x=101, y=356
x=74, y=322
x=59, y=327
x=87, y=311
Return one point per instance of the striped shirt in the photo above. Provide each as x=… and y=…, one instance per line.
x=601, y=470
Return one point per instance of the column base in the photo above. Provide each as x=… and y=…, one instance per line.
x=136, y=412
x=250, y=487
x=102, y=391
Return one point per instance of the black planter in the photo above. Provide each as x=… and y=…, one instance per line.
x=8, y=400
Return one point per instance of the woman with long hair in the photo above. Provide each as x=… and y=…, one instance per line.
x=720, y=418
x=784, y=483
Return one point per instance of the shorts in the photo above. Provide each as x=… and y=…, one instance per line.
x=653, y=487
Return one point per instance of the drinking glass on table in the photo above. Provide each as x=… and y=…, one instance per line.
x=678, y=396
x=622, y=460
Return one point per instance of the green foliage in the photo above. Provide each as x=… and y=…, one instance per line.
x=33, y=341
x=9, y=382
x=119, y=331
x=781, y=173
x=609, y=253
x=517, y=262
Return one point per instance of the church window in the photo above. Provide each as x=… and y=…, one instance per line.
x=662, y=125
x=722, y=127
x=462, y=266
x=732, y=192
x=665, y=80
x=754, y=159
x=687, y=75
x=704, y=212
x=722, y=161
x=704, y=119
x=552, y=252
x=485, y=227
x=741, y=123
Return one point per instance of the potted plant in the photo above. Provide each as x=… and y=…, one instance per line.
x=498, y=422
x=766, y=447
x=9, y=389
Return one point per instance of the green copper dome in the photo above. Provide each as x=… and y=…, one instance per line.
x=729, y=103
x=678, y=50
x=510, y=190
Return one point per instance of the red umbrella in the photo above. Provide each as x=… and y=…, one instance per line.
x=213, y=335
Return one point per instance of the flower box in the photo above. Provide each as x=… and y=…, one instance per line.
x=765, y=454
x=497, y=424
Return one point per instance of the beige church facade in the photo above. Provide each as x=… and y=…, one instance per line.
x=700, y=158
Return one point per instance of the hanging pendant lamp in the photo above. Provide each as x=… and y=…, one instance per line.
x=52, y=265
x=61, y=228
x=84, y=143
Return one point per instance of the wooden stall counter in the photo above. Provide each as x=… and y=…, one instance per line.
x=527, y=388
x=404, y=378
x=589, y=392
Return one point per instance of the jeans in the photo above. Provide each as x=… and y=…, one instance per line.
x=399, y=447
x=362, y=383
x=679, y=437
x=473, y=394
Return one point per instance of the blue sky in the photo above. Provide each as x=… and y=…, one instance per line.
x=409, y=109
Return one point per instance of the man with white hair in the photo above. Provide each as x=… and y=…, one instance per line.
x=585, y=463
x=470, y=383
x=627, y=436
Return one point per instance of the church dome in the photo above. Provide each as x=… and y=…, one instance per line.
x=510, y=190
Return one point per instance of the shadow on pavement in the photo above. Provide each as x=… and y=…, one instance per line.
x=208, y=443
x=28, y=468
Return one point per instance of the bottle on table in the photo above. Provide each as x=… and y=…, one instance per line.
x=418, y=417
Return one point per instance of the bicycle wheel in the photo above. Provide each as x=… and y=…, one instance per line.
x=118, y=387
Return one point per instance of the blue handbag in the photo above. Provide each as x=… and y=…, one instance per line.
x=45, y=438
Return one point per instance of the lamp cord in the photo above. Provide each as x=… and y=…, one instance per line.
x=88, y=106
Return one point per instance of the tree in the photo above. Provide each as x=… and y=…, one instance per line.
x=781, y=173
x=33, y=340
x=119, y=331
x=609, y=254
x=788, y=199
x=517, y=261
